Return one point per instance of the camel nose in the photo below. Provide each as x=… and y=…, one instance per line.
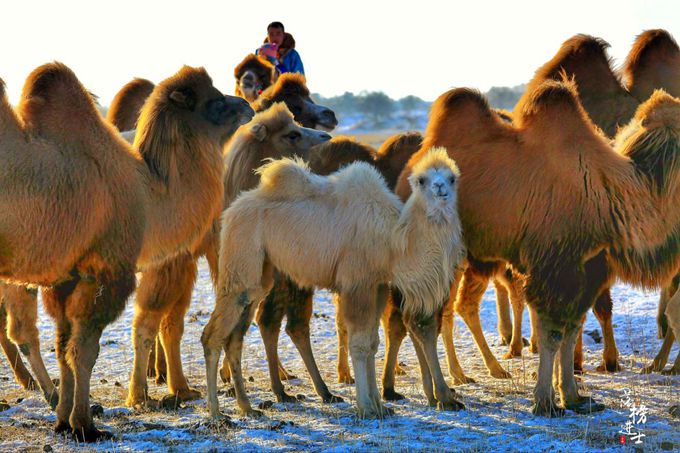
x=441, y=189
x=324, y=136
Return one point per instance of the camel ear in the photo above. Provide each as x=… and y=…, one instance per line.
x=259, y=130
x=184, y=98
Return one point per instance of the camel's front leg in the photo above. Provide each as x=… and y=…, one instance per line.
x=395, y=332
x=423, y=330
x=567, y=383
x=21, y=374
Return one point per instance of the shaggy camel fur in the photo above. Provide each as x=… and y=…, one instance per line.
x=416, y=246
x=164, y=294
x=601, y=211
x=128, y=102
x=653, y=62
x=291, y=88
x=254, y=75
x=84, y=229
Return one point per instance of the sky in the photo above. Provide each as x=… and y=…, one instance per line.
x=421, y=47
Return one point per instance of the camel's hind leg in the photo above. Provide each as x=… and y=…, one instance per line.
x=361, y=309
x=470, y=292
x=603, y=312
x=299, y=314
x=344, y=374
x=395, y=332
x=447, y=332
x=232, y=305
x=269, y=316
x=665, y=296
x=233, y=346
x=22, y=375
x=673, y=316
x=424, y=331
x=22, y=307
x=513, y=287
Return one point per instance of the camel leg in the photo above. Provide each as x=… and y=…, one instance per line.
x=673, y=316
x=503, y=313
x=22, y=307
x=662, y=357
x=425, y=375
x=269, y=316
x=603, y=312
x=344, y=374
x=517, y=302
x=665, y=296
x=544, y=401
x=234, y=347
x=578, y=348
x=360, y=312
x=299, y=314
x=533, y=319
x=448, y=326
x=21, y=374
x=395, y=331
x=158, y=362
x=567, y=382
x=470, y=292
x=145, y=327
x=230, y=310
x=424, y=331
x=381, y=301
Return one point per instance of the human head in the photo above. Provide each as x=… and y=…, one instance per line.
x=275, y=33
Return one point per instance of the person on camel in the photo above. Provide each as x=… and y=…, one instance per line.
x=279, y=49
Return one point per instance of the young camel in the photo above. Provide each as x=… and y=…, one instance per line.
x=358, y=236
x=588, y=233
x=253, y=75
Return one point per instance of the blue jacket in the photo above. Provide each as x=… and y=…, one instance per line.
x=291, y=62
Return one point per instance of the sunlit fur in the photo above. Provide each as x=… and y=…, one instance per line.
x=253, y=75
x=127, y=104
x=351, y=234
x=653, y=62
x=549, y=196
x=584, y=59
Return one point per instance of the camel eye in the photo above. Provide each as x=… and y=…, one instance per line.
x=294, y=135
x=452, y=179
x=421, y=181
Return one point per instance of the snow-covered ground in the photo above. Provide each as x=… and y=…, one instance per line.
x=497, y=416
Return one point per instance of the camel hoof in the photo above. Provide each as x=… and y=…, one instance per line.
x=450, y=406
x=331, y=399
x=283, y=397
x=62, y=428
x=188, y=394
x=91, y=434
x=345, y=380
x=391, y=395
x=549, y=409
x=670, y=372
x=457, y=380
x=148, y=403
x=512, y=355
x=500, y=374
x=610, y=367
x=585, y=405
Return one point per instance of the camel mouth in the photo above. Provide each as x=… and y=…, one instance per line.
x=326, y=127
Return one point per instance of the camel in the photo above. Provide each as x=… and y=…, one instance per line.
x=125, y=219
x=128, y=102
x=168, y=289
x=611, y=225
x=164, y=295
x=253, y=75
x=415, y=245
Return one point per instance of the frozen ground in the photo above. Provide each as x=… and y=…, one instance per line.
x=497, y=416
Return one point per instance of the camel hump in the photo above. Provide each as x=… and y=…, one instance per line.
x=555, y=106
x=650, y=44
x=661, y=110
x=287, y=178
x=54, y=103
x=462, y=113
x=127, y=103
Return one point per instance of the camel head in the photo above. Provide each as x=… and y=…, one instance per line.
x=291, y=88
x=277, y=129
x=434, y=182
x=253, y=75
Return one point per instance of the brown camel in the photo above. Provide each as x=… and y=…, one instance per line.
x=345, y=246
x=598, y=210
x=128, y=102
x=62, y=223
x=21, y=373
x=253, y=75
x=133, y=223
